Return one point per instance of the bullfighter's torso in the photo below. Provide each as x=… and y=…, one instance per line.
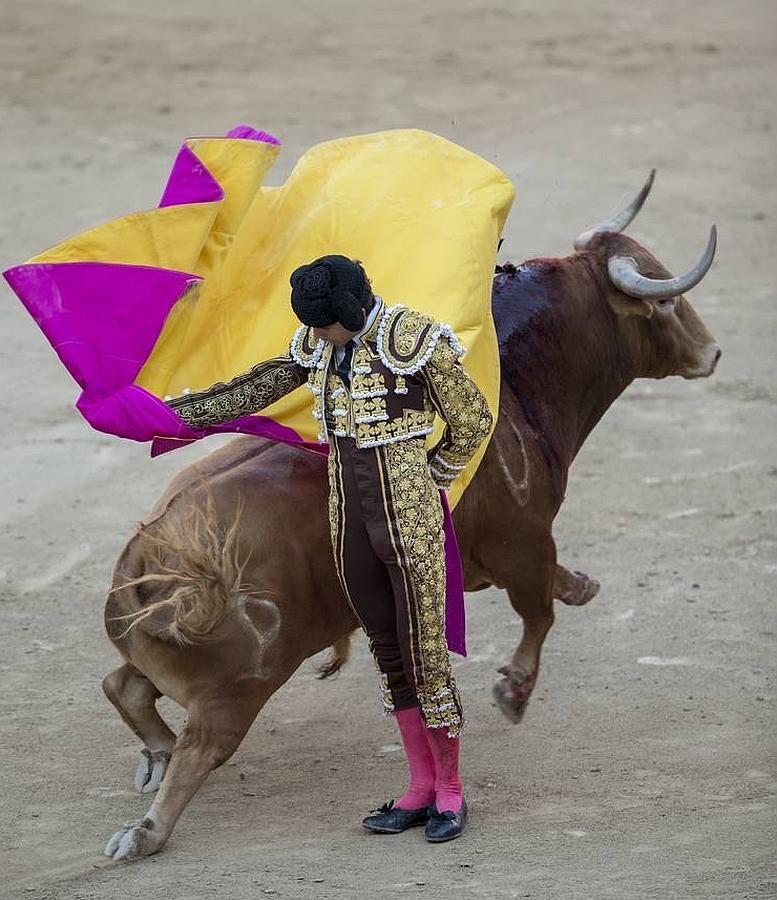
x=387, y=400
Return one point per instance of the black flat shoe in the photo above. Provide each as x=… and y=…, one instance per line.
x=392, y=819
x=446, y=825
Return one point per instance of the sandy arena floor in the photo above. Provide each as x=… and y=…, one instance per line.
x=645, y=766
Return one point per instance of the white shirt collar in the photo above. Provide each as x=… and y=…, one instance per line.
x=371, y=317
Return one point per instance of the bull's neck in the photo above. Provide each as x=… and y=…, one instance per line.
x=560, y=350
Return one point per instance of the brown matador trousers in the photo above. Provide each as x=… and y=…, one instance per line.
x=387, y=535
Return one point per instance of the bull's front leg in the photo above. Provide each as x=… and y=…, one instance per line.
x=213, y=731
x=530, y=589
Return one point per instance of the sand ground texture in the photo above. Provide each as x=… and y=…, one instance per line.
x=645, y=766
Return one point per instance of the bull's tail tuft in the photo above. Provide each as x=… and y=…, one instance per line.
x=193, y=562
x=339, y=655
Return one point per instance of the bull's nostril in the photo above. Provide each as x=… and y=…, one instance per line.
x=717, y=354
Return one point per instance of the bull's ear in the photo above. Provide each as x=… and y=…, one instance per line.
x=623, y=305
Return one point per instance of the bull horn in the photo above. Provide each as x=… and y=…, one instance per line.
x=624, y=274
x=621, y=220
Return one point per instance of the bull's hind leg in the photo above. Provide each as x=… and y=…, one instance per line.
x=213, y=731
x=530, y=589
x=134, y=696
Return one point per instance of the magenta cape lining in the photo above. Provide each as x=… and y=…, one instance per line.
x=103, y=320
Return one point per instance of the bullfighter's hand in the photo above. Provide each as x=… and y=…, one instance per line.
x=443, y=483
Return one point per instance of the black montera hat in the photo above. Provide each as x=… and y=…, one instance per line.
x=330, y=289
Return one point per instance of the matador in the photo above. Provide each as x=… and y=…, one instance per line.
x=379, y=374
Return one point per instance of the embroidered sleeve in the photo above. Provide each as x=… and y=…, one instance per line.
x=459, y=401
x=246, y=393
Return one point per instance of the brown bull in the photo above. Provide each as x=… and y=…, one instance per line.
x=245, y=602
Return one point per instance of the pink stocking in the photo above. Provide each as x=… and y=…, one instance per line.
x=447, y=787
x=419, y=759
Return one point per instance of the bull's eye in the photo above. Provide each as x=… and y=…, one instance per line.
x=666, y=302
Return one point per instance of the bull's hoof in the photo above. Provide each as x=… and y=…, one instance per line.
x=512, y=693
x=151, y=769
x=132, y=841
x=582, y=590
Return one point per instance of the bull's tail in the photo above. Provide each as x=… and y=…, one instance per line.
x=191, y=562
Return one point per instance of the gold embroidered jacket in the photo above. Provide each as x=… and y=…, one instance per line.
x=405, y=368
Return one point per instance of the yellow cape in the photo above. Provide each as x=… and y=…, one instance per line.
x=422, y=214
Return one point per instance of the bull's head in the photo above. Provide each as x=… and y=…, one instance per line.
x=666, y=334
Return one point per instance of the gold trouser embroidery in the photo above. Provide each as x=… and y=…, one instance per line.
x=414, y=518
x=418, y=515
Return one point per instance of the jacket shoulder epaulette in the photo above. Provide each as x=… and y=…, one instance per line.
x=305, y=349
x=406, y=339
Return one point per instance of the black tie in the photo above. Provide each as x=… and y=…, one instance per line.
x=344, y=366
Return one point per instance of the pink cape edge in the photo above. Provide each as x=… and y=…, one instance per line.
x=103, y=319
